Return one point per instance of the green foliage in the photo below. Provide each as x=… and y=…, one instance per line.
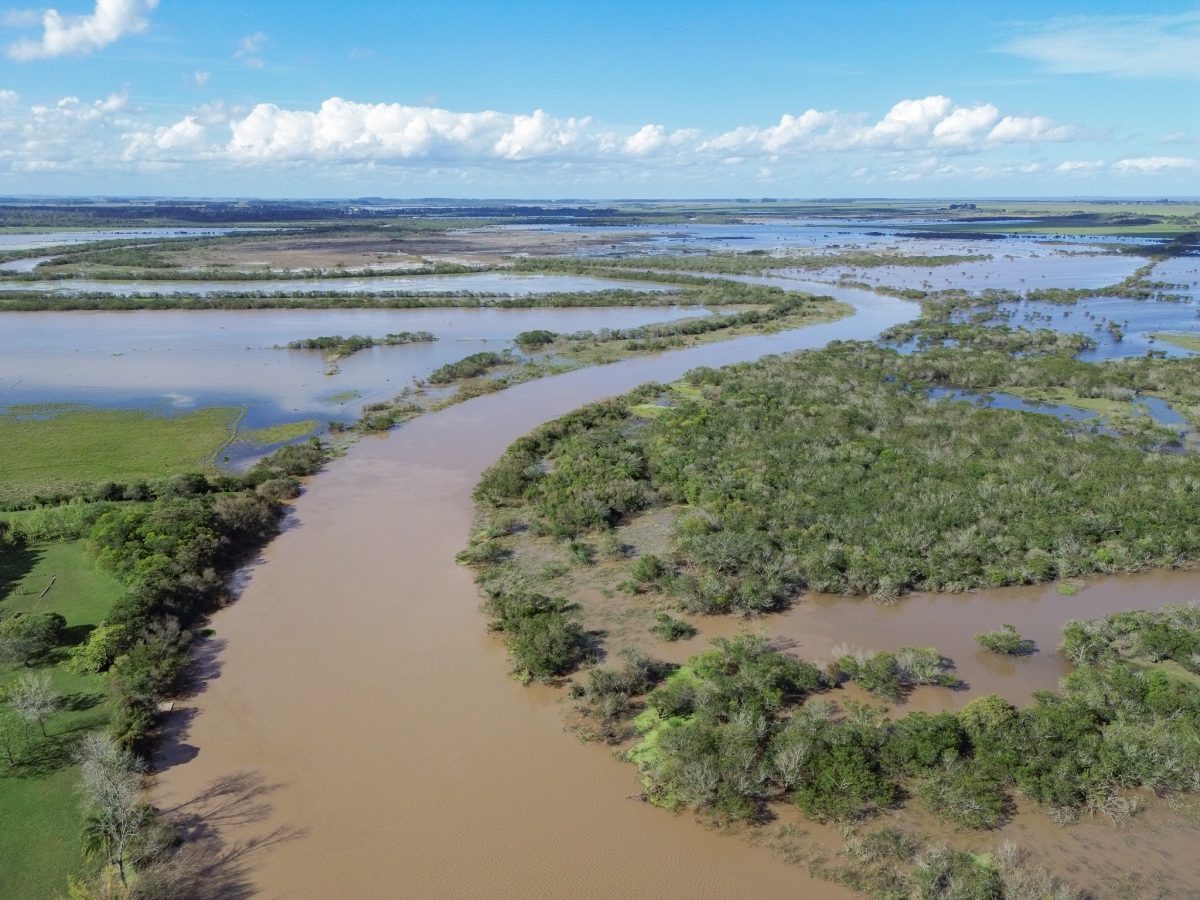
x=832, y=470
x=97, y=653
x=535, y=339
x=964, y=796
x=28, y=638
x=469, y=367
x=339, y=347
x=1172, y=633
x=670, y=628
x=543, y=641
x=1006, y=641
x=891, y=675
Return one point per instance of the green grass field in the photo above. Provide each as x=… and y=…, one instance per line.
x=58, y=447
x=278, y=434
x=1186, y=341
x=39, y=805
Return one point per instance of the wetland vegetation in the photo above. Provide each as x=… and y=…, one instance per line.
x=859, y=468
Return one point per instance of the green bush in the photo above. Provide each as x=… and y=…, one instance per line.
x=28, y=638
x=1006, y=641
x=669, y=628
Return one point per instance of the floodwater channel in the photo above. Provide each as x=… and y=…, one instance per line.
x=354, y=734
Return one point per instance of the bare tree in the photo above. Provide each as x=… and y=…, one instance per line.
x=119, y=827
x=34, y=699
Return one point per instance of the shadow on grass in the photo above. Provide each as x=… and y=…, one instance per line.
x=16, y=562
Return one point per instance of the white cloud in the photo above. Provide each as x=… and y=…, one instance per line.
x=927, y=123
x=966, y=125
x=1151, y=165
x=1079, y=167
x=1117, y=46
x=909, y=123
x=248, y=49
x=200, y=78
x=74, y=35
x=645, y=140
x=920, y=139
x=1029, y=130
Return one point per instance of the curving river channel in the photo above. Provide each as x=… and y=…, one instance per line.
x=353, y=733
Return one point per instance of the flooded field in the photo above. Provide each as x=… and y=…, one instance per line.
x=10, y=241
x=365, y=752
x=1014, y=266
x=182, y=359
x=505, y=283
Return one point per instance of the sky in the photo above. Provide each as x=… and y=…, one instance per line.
x=606, y=99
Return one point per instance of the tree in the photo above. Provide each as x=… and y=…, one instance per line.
x=29, y=637
x=119, y=827
x=34, y=699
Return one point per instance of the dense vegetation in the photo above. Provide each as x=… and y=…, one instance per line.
x=338, y=347
x=737, y=728
x=469, y=367
x=834, y=471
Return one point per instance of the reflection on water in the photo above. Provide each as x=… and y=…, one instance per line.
x=1136, y=322
x=180, y=359
x=506, y=283
x=65, y=239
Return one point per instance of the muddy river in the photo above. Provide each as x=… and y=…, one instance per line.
x=354, y=733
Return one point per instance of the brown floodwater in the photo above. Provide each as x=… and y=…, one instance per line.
x=354, y=687
x=354, y=734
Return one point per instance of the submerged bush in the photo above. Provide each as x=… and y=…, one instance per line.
x=1006, y=641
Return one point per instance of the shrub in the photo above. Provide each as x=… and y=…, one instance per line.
x=669, y=628
x=532, y=340
x=963, y=795
x=1006, y=640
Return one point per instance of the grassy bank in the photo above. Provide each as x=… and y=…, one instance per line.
x=52, y=449
x=1186, y=341
x=39, y=804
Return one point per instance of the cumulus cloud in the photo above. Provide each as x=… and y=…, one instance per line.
x=75, y=35
x=200, y=78
x=921, y=138
x=1079, y=166
x=1151, y=165
x=1117, y=46
x=926, y=123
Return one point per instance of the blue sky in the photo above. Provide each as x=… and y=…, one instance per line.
x=531, y=98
